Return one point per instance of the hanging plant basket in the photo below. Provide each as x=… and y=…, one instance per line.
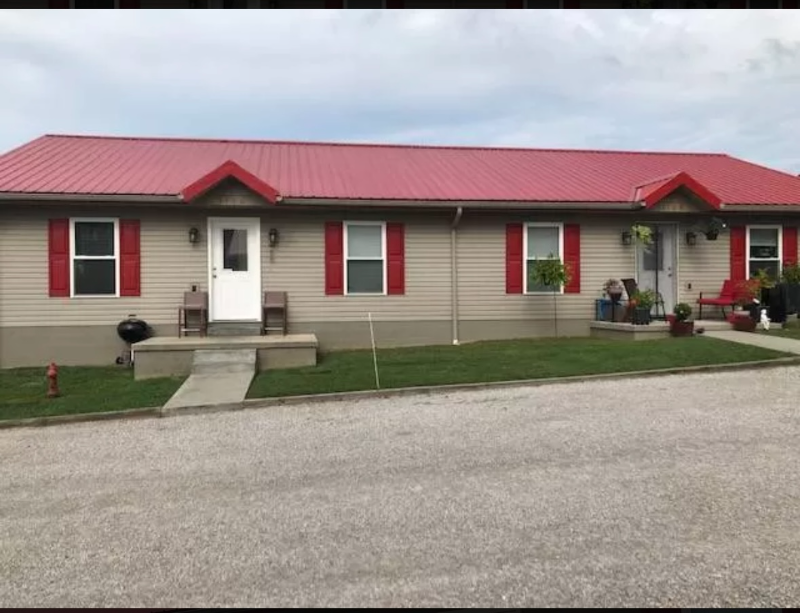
x=642, y=233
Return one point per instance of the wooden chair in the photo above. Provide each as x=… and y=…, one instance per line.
x=726, y=298
x=194, y=303
x=274, y=302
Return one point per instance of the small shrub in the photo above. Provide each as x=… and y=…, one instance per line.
x=682, y=311
x=791, y=274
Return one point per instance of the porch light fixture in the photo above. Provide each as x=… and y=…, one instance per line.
x=627, y=238
x=691, y=238
x=273, y=237
x=194, y=235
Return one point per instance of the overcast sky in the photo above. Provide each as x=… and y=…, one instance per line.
x=667, y=80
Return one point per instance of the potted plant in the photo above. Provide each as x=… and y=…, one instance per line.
x=747, y=292
x=715, y=225
x=613, y=288
x=553, y=273
x=643, y=301
x=790, y=277
x=747, y=309
x=680, y=324
x=766, y=284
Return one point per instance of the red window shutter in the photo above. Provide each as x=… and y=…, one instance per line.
x=789, y=245
x=58, y=4
x=396, y=258
x=572, y=257
x=738, y=270
x=130, y=265
x=334, y=258
x=58, y=253
x=129, y=4
x=514, y=259
x=515, y=4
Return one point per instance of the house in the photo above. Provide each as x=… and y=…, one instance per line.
x=434, y=242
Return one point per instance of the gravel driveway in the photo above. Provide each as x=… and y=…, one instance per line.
x=677, y=491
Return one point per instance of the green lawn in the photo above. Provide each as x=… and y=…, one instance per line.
x=83, y=390
x=498, y=361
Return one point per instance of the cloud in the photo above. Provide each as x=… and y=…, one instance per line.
x=687, y=80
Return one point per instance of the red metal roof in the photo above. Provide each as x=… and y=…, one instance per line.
x=160, y=166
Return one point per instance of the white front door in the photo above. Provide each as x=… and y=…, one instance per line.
x=235, y=256
x=656, y=265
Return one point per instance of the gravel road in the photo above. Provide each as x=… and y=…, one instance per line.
x=676, y=491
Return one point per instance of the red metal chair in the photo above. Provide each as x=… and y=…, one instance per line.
x=726, y=298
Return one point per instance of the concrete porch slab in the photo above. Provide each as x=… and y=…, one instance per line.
x=173, y=356
x=656, y=329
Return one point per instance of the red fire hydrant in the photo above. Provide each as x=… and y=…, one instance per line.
x=52, y=381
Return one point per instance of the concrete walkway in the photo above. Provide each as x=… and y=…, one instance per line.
x=218, y=377
x=757, y=339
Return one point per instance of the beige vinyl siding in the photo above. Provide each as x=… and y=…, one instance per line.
x=702, y=267
x=482, y=268
x=681, y=201
x=297, y=266
x=170, y=264
x=232, y=194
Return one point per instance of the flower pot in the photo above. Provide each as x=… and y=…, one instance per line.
x=744, y=324
x=641, y=316
x=681, y=328
x=614, y=312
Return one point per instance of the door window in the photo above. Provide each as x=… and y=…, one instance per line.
x=234, y=250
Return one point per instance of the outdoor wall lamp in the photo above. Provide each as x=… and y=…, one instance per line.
x=273, y=237
x=194, y=235
x=627, y=238
x=691, y=238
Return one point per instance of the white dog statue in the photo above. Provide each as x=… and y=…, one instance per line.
x=764, y=319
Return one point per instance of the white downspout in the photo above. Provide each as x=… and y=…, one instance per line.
x=454, y=273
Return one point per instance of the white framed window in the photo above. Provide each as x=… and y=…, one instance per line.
x=94, y=257
x=764, y=249
x=365, y=257
x=94, y=4
x=541, y=241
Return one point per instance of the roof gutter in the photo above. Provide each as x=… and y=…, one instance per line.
x=41, y=197
x=760, y=208
x=465, y=204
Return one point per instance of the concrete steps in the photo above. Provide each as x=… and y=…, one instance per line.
x=234, y=328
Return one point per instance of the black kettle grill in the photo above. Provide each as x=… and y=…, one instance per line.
x=132, y=331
